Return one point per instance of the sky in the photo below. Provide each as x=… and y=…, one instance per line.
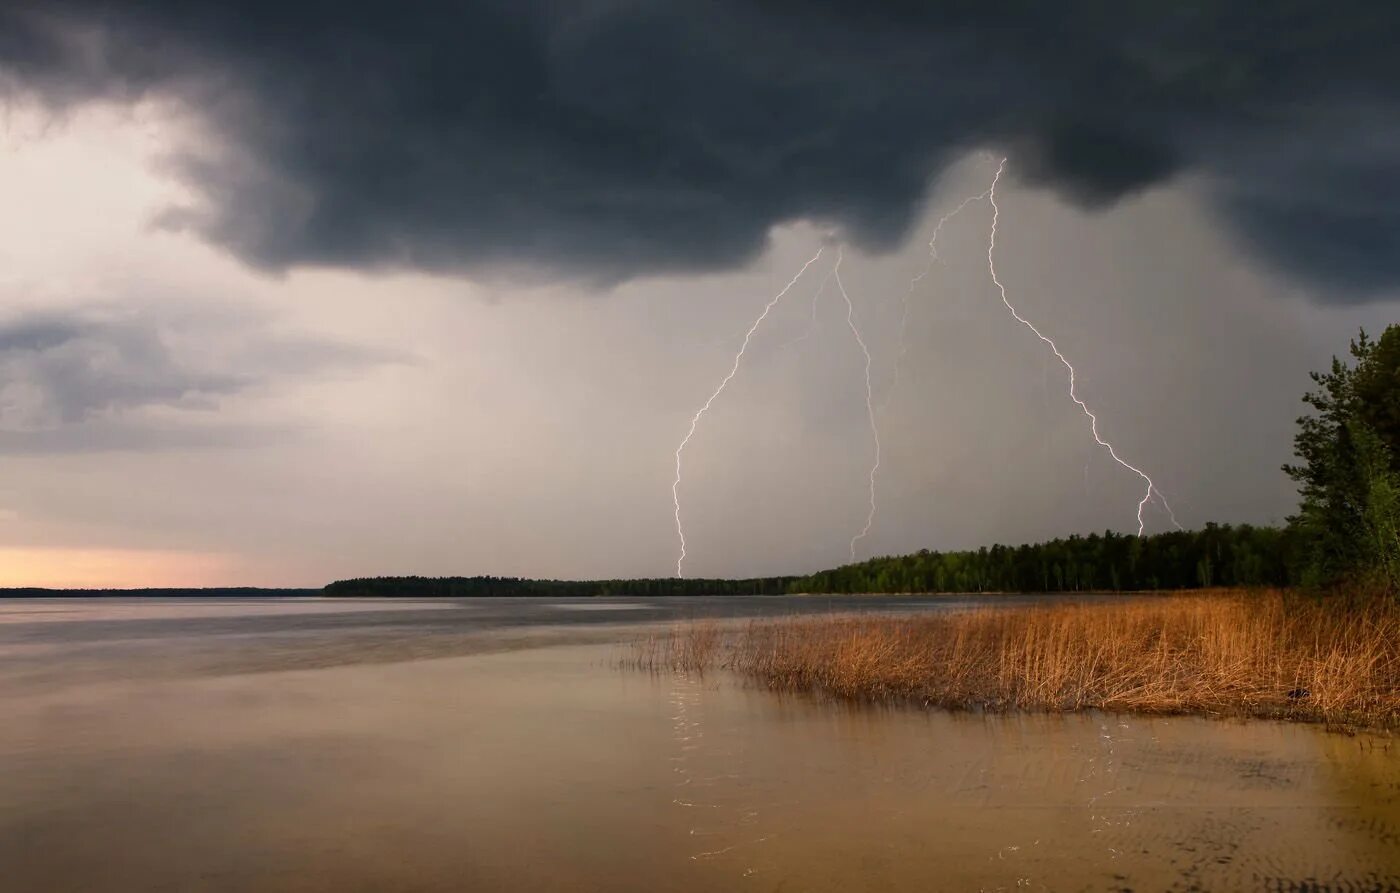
x=288, y=296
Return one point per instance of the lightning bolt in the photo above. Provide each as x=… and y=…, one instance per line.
x=933, y=258
x=1073, y=395
x=812, y=322
x=733, y=370
x=869, y=399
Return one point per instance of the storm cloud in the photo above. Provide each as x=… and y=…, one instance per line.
x=83, y=379
x=601, y=140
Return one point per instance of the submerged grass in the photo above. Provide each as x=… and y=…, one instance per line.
x=1267, y=654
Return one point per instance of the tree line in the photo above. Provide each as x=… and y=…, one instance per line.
x=475, y=587
x=1218, y=555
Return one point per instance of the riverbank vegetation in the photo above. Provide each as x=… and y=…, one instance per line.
x=1219, y=653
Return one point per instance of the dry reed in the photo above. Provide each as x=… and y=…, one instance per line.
x=1216, y=653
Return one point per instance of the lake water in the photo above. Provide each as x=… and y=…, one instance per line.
x=307, y=745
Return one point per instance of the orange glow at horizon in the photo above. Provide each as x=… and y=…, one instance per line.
x=77, y=568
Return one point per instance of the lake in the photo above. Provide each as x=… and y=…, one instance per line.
x=498, y=744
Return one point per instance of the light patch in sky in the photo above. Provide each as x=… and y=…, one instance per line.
x=78, y=568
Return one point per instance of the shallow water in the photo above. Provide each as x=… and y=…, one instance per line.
x=190, y=752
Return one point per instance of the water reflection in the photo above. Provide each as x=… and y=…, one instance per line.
x=551, y=769
x=869, y=799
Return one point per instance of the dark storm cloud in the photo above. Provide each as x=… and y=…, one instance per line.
x=608, y=138
x=61, y=370
x=61, y=373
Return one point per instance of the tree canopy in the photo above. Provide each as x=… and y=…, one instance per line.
x=1348, y=471
x=1218, y=555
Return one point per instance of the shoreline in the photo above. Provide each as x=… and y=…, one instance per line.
x=1257, y=654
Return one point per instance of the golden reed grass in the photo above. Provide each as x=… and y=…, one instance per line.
x=1214, y=653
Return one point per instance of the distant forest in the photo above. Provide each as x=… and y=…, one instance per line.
x=1219, y=555
x=463, y=587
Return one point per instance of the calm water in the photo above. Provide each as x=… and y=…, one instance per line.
x=311, y=745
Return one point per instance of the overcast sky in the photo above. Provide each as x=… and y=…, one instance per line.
x=438, y=289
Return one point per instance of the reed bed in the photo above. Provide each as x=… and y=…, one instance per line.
x=1267, y=654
